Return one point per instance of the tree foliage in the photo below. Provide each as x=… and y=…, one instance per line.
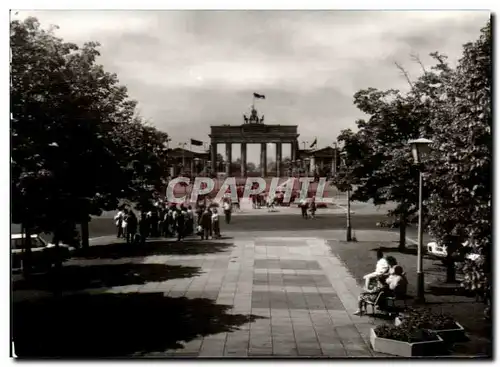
x=380, y=164
x=78, y=146
x=460, y=173
x=452, y=106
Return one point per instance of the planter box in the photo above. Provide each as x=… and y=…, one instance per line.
x=403, y=349
x=455, y=334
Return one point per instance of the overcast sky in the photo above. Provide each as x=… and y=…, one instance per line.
x=192, y=69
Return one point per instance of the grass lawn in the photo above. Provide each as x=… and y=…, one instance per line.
x=360, y=258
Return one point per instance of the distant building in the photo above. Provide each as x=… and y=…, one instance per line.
x=186, y=162
x=318, y=161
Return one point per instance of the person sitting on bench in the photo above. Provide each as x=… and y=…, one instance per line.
x=397, y=281
x=381, y=268
x=372, y=295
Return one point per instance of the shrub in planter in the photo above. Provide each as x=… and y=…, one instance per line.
x=405, y=340
x=405, y=333
x=443, y=324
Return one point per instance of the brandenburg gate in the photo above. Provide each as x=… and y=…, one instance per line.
x=253, y=131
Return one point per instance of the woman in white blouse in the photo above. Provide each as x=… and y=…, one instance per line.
x=381, y=268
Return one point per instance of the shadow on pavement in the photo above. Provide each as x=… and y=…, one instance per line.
x=98, y=276
x=115, y=325
x=395, y=249
x=449, y=289
x=121, y=249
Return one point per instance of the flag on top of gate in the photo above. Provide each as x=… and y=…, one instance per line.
x=261, y=96
x=314, y=143
x=197, y=143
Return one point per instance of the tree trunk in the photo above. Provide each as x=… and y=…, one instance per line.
x=55, y=273
x=402, y=233
x=452, y=246
x=85, y=233
x=450, y=269
x=27, y=256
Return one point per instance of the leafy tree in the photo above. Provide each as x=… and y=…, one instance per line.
x=380, y=163
x=76, y=142
x=460, y=171
x=271, y=166
x=383, y=168
x=454, y=108
x=251, y=167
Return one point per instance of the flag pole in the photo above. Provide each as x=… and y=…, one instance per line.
x=183, y=157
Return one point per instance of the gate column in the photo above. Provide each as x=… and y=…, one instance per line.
x=229, y=159
x=243, y=159
x=278, y=159
x=263, y=159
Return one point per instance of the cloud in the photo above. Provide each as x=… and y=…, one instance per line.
x=193, y=69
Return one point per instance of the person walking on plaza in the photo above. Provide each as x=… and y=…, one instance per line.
x=154, y=222
x=199, y=213
x=162, y=220
x=144, y=227
x=181, y=223
x=131, y=227
x=313, y=208
x=215, y=224
x=227, y=210
x=206, y=223
x=118, y=222
x=189, y=220
x=124, y=223
x=270, y=203
x=303, y=207
x=171, y=220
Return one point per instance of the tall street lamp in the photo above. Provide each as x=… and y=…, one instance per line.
x=334, y=159
x=183, y=145
x=349, y=228
x=419, y=148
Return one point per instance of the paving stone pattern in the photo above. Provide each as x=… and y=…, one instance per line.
x=304, y=295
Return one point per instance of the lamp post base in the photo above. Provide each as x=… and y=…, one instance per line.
x=420, y=288
x=349, y=234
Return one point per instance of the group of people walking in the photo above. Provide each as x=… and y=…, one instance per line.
x=208, y=219
x=170, y=221
x=308, y=209
x=163, y=221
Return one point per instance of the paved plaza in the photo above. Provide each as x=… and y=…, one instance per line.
x=300, y=295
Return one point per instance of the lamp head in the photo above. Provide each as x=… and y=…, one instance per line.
x=343, y=158
x=419, y=147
